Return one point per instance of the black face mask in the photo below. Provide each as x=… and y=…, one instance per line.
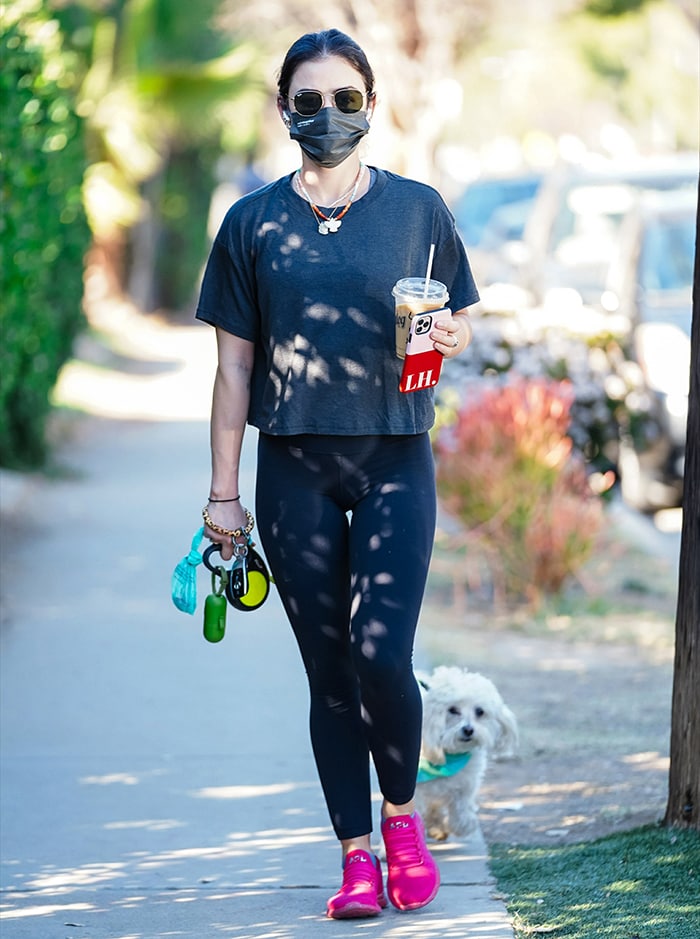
x=329, y=136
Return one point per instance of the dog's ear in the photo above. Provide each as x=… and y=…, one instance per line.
x=433, y=727
x=507, y=742
x=434, y=755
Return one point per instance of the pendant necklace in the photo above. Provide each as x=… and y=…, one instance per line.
x=331, y=223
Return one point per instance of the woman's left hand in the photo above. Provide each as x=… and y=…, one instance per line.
x=453, y=336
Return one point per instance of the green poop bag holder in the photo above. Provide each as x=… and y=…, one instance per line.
x=215, y=607
x=245, y=585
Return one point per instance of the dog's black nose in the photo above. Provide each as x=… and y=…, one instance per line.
x=467, y=731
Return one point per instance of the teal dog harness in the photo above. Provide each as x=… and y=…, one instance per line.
x=454, y=762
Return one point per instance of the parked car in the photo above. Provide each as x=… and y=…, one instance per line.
x=572, y=231
x=650, y=284
x=491, y=214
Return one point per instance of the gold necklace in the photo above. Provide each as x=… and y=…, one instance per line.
x=331, y=223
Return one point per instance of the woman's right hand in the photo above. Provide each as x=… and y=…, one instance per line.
x=229, y=515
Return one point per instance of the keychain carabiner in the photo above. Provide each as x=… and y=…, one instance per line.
x=239, y=570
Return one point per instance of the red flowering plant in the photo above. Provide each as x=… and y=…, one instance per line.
x=507, y=469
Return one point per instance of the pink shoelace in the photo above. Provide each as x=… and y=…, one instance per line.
x=404, y=847
x=359, y=870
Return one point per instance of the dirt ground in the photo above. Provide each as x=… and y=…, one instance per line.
x=589, y=681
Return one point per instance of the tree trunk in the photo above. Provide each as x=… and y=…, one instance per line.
x=141, y=279
x=683, y=809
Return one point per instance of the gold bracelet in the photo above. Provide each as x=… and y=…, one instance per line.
x=232, y=533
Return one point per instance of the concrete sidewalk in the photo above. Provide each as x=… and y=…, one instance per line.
x=153, y=784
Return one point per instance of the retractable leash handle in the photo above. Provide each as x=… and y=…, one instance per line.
x=249, y=579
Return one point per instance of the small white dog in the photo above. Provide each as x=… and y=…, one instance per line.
x=464, y=722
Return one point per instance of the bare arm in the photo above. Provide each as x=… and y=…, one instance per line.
x=229, y=412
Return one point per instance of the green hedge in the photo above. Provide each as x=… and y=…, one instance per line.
x=43, y=232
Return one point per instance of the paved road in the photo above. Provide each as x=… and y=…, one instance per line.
x=153, y=784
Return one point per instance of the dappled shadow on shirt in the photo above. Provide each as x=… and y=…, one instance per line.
x=326, y=332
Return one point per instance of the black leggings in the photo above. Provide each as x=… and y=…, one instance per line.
x=352, y=587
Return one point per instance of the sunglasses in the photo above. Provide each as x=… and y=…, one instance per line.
x=347, y=100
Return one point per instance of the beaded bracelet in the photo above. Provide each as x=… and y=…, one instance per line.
x=235, y=499
x=231, y=533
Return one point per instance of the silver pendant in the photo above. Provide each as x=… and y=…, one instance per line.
x=329, y=225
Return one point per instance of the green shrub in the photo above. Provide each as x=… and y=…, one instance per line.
x=43, y=231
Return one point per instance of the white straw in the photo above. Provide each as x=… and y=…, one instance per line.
x=429, y=270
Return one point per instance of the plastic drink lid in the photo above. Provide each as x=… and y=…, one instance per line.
x=415, y=287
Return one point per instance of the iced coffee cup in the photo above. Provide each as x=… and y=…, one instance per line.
x=411, y=298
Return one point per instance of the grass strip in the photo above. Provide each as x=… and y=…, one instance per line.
x=640, y=884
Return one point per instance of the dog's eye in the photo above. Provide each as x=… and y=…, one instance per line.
x=479, y=712
x=454, y=711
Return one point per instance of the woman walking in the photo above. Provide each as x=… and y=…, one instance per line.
x=299, y=287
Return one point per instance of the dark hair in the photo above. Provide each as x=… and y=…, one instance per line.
x=313, y=46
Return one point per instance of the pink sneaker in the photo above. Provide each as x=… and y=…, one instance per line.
x=413, y=878
x=362, y=893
